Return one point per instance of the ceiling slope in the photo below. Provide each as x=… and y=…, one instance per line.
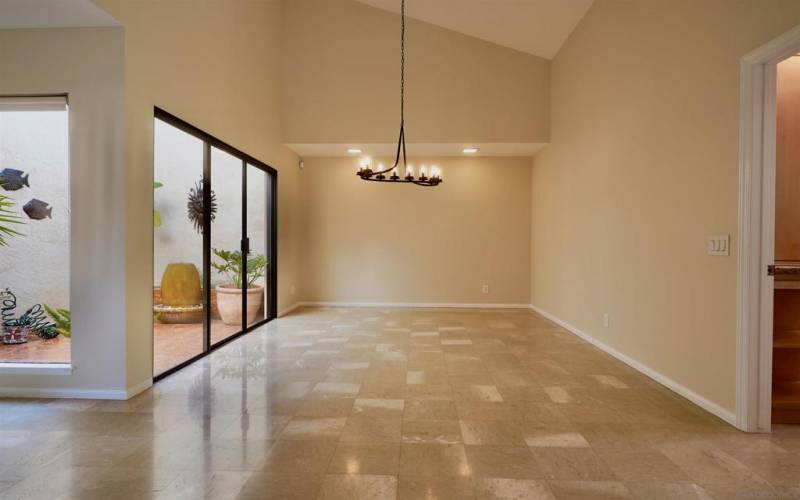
x=23, y=14
x=538, y=27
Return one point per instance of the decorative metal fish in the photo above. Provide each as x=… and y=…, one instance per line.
x=12, y=179
x=38, y=209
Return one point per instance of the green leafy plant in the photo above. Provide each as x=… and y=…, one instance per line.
x=8, y=217
x=62, y=319
x=156, y=213
x=231, y=267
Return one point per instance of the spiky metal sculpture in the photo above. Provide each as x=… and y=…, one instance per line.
x=195, y=206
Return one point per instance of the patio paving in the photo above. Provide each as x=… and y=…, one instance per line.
x=174, y=343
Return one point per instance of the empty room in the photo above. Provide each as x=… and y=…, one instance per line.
x=399, y=249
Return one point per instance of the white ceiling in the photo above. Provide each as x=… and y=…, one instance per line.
x=538, y=27
x=17, y=14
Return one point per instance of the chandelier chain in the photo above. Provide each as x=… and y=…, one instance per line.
x=402, y=60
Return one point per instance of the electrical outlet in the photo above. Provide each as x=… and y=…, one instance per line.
x=605, y=320
x=485, y=289
x=719, y=244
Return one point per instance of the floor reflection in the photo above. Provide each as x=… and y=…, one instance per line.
x=366, y=403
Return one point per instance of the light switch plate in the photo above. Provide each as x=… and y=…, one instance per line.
x=719, y=244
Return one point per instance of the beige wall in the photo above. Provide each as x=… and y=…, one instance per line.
x=370, y=242
x=341, y=81
x=643, y=166
x=215, y=64
x=87, y=64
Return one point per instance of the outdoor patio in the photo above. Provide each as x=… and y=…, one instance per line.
x=173, y=344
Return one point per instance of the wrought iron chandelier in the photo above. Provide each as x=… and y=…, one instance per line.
x=365, y=171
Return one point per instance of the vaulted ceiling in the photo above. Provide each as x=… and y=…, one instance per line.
x=19, y=14
x=538, y=27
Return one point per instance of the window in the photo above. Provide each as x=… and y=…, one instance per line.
x=34, y=230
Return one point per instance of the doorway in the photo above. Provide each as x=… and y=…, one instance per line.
x=786, y=270
x=765, y=278
x=214, y=243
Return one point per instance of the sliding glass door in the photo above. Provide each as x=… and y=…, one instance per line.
x=259, y=184
x=178, y=298
x=227, y=180
x=214, y=243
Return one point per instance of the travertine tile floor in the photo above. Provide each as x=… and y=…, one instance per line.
x=384, y=404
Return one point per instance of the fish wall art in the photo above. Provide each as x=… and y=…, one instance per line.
x=38, y=209
x=12, y=179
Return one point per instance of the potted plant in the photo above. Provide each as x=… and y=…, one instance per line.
x=229, y=294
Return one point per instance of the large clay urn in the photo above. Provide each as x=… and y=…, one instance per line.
x=180, y=285
x=229, y=302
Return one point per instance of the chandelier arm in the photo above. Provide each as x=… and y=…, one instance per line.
x=400, y=140
x=403, y=140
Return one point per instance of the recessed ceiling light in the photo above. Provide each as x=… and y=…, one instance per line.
x=470, y=150
x=354, y=151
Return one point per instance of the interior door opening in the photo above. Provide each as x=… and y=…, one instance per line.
x=214, y=243
x=786, y=301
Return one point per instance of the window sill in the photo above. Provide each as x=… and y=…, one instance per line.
x=36, y=368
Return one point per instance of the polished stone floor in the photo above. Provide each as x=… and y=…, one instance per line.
x=384, y=404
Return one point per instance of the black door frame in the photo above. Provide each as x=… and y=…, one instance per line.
x=271, y=217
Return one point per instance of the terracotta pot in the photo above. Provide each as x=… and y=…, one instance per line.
x=229, y=302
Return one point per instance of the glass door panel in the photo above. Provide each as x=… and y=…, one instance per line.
x=257, y=263
x=178, y=298
x=226, y=241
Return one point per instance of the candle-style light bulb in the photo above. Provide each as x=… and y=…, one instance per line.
x=380, y=174
x=422, y=171
x=410, y=171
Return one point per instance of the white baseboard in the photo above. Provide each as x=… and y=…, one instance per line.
x=68, y=393
x=667, y=382
x=289, y=309
x=421, y=305
x=61, y=393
